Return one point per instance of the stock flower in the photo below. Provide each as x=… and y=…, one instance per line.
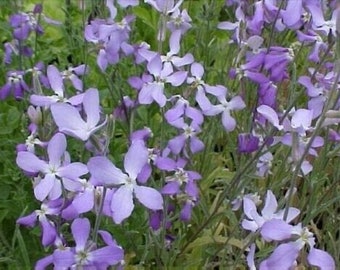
x=107, y=174
x=286, y=254
x=14, y=48
x=49, y=231
x=178, y=143
x=254, y=221
x=270, y=114
x=15, y=83
x=38, y=77
x=165, y=7
x=85, y=254
x=73, y=124
x=154, y=90
x=171, y=57
x=54, y=171
x=182, y=109
x=225, y=107
x=72, y=73
x=82, y=202
x=313, y=38
x=264, y=164
x=327, y=27
x=23, y=23
x=56, y=82
x=247, y=143
x=317, y=93
x=179, y=20
x=175, y=182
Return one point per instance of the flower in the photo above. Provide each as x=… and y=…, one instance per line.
x=73, y=124
x=255, y=222
x=85, y=252
x=54, y=171
x=103, y=172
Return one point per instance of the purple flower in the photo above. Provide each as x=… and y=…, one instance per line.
x=181, y=178
x=264, y=164
x=177, y=144
x=38, y=77
x=225, y=107
x=72, y=73
x=286, y=254
x=49, y=231
x=164, y=7
x=85, y=254
x=326, y=27
x=182, y=108
x=73, y=124
x=15, y=83
x=24, y=23
x=154, y=90
x=83, y=200
x=108, y=174
x=171, y=56
x=55, y=80
x=54, y=172
x=179, y=21
x=247, y=143
x=254, y=221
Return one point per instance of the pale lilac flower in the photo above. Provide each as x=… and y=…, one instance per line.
x=154, y=91
x=108, y=174
x=236, y=26
x=171, y=57
x=73, y=124
x=181, y=109
x=54, y=171
x=72, y=73
x=165, y=7
x=313, y=38
x=327, y=27
x=254, y=221
x=286, y=254
x=317, y=93
x=270, y=114
x=49, y=230
x=225, y=107
x=32, y=140
x=14, y=48
x=23, y=23
x=15, y=84
x=264, y=164
x=38, y=77
x=292, y=15
x=179, y=21
x=85, y=254
x=250, y=257
x=82, y=202
x=181, y=178
x=56, y=82
x=188, y=136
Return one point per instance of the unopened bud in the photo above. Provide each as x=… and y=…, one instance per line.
x=34, y=114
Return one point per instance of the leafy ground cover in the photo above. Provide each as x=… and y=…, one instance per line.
x=161, y=134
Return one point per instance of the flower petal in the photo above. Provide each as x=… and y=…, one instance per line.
x=321, y=259
x=81, y=231
x=135, y=158
x=56, y=149
x=122, y=204
x=30, y=163
x=149, y=197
